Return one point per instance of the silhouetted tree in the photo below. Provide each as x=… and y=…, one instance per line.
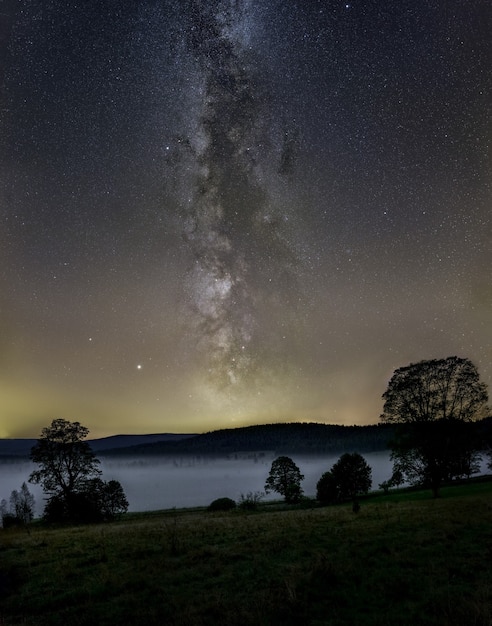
x=285, y=478
x=69, y=474
x=21, y=510
x=22, y=504
x=395, y=480
x=434, y=403
x=352, y=476
x=326, y=488
x=349, y=477
x=66, y=461
x=95, y=501
x=114, y=501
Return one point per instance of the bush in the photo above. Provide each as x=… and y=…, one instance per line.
x=98, y=502
x=222, y=504
x=78, y=508
x=11, y=521
x=250, y=501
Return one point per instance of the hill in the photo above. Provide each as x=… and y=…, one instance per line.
x=116, y=442
x=20, y=448
x=16, y=448
x=287, y=438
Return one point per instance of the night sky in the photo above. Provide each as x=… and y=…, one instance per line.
x=229, y=212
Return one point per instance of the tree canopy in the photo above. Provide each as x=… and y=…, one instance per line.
x=434, y=403
x=352, y=475
x=285, y=478
x=427, y=391
x=65, y=460
x=349, y=477
x=69, y=474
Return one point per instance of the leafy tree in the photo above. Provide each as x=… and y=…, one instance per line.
x=434, y=403
x=285, y=478
x=349, y=477
x=395, y=480
x=327, y=489
x=66, y=461
x=114, y=501
x=69, y=474
x=352, y=475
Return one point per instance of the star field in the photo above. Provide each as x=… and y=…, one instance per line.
x=235, y=212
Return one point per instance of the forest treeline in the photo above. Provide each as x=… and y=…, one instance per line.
x=285, y=438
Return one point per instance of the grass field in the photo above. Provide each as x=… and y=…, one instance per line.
x=404, y=559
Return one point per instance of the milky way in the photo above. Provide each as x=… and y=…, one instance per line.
x=233, y=167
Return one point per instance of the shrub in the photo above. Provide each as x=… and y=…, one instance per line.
x=222, y=504
x=10, y=520
x=251, y=500
x=99, y=501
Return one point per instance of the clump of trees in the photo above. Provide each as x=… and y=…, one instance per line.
x=395, y=480
x=434, y=404
x=285, y=478
x=70, y=476
x=21, y=509
x=349, y=478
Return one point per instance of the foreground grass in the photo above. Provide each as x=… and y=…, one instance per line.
x=404, y=559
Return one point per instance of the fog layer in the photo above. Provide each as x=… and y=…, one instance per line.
x=166, y=482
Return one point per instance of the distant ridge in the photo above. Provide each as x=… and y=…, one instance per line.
x=21, y=448
x=17, y=448
x=284, y=438
x=115, y=442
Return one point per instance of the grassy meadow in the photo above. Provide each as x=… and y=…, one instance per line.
x=404, y=559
